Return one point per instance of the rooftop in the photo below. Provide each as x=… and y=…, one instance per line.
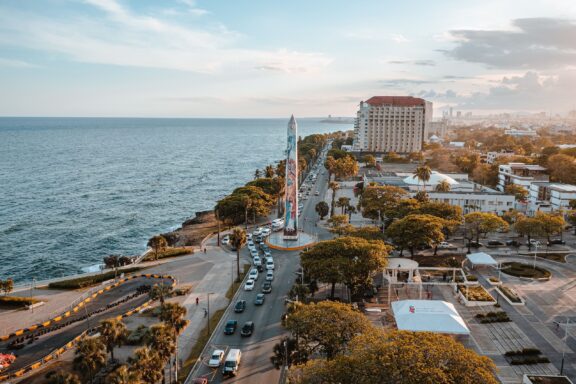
x=396, y=101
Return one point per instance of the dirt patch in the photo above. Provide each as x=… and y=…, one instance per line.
x=193, y=231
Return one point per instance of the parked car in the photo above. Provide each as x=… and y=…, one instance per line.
x=317, y=193
x=445, y=245
x=253, y=252
x=556, y=242
x=240, y=306
x=250, y=243
x=266, y=232
x=259, y=299
x=267, y=253
x=230, y=327
x=495, y=243
x=475, y=244
x=216, y=358
x=269, y=263
x=253, y=274
x=269, y=275
x=512, y=243
x=247, y=328
x=267, y=287
x=249, y=285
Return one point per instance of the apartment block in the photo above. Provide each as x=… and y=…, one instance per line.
x=392, y=124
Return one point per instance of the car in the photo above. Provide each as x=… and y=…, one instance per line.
x=248, y=236
x=267, y=287
x=533, y=242
x=267, y=254
x=300, y=207
x=253, y=274
x=250, y=243
x=305, y=197
x=247, y=329
x=475, y=244
x=317, y=193
x=269, y=275
x=226, y=240
x=495, y=243
x=240, y=306
x=258, y=239
x=264, y=247
x=259, y=300
x=216, y=358
x=257, y=261
x=266, y=232
x=257, y=232
x=200, y=380
x=269, y=264
x=445, y=245
x=230, y=327
x=249, y=285
x=260, y=268
x=512, y=243
x=254, y=253
x=556, y=241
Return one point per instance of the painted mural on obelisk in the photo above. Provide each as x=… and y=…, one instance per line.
x=291, y=191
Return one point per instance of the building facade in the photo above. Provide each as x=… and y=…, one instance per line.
x=550, y=197
x=392, y=124
x=520, y=174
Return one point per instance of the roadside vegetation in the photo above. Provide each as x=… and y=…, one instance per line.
x=88, y=281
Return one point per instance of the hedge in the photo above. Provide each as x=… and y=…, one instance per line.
x=88, y=281
x=17, y=301
x=168, y=252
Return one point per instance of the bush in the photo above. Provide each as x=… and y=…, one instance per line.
x=16, y=301
x=475, y=293
x=169, y=252
x=524, y=352
x=471, y=278
x=510, y=294
x=525, y=270
x=88, y=281
x=530, y=360
x=493, y=317
x=136, y=337
x=494, y=279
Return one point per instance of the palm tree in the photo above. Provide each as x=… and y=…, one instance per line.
x=157, y=243
x=334, y=186
x=159, y=292
x=269, y=171
x=64, y=378
x=161, y=339
x=350, y=209
x=148, y=364
x=423, y=173
x=257, y=174
x=113, y=333
x=247, y=202
x=123, y=375
x=343, y=202
x=172, y=315
x=90, y=355
x=238, y=239
x=443, y=186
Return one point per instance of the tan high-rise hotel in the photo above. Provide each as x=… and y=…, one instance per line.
x=392, y=124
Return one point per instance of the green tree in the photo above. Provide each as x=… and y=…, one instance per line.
x=380, y=202
x=322, y=209
x=512, y=216
x=529, y=227
x=339, y=224
x=269, y=171
x=257, y=174
x=345, y=167
x=113, y=333
x=334, y=186
x=330, y=165
x=148, y=364
x=390, y=357
x=172, y=314
x=562, y=168
x=90, y=356
x=343, y=202
x=423, y=174
x=369, y=160
x=64, y=378
x=123, y=375
x=348, y=260
x=520, y=193
x=443, y=186
x=326, y=327
x=157, y=243
x=160, y=292
x=368, y=233
x=238, y=239
x=287, y=352
x=161, y=339
x=551, y=223
x=7, y=286
x=415, y=231
x=482, y=223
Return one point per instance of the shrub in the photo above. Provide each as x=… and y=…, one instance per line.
x=475, y=293
x=136, y=337
x=525, y=270
x=169, y=252
x=524, y=352
x=16, y=301
x=88, y=281
x=494, y=279
x=510, y=294
x=493, y=317
x=471, y=278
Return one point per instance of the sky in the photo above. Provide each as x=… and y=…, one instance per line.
x=262, y=58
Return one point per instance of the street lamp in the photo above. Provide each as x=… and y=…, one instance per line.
x=208, y=310
x=536, y=245
x=31, y=294
x=564, y=349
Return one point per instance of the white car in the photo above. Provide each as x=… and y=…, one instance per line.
x=445, y=245
x=216, y=358
x=249, y=286
x=249, y=236
x=317, y=193
x=267, y=254
x=226, y=240
x=257, y=232
x=253, y=252
x=266, y=232
x=250, y=243
x=257, y=261
x=269, y=275
x=269, y=264
x=253, y=275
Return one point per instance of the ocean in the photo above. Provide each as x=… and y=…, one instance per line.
x=73, y=190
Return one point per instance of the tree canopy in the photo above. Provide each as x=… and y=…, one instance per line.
x=481, y=223
x=415, y=231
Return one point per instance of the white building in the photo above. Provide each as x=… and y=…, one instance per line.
x=491, y=157
x=550, y=196
x=392, y=124
x=520, y=174
x=438, y=129
x=476, y=201
x=520, y=132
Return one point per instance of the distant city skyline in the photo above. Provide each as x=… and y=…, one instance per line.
x=187, y=58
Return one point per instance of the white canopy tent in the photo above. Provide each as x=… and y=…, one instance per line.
x=481, y=258
x=428, y=316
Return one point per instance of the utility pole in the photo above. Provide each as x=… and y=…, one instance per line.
x=208, y=309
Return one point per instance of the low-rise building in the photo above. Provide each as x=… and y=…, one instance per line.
x=520, y=174
x=547, y=197
x=491, y=157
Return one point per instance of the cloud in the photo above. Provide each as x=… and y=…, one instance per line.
x=533, y=43
x=192, y=8
x=432, y=94
x=9, y=63
x=126, y=38
x=371, y=35
x=424, y=63
x=453, y=77
x=403, y=82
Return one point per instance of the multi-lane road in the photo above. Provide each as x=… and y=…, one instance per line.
x=255, y=366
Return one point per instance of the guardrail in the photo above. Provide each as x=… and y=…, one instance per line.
x=59, y=351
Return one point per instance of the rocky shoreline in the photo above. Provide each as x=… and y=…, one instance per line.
x=193, y=230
